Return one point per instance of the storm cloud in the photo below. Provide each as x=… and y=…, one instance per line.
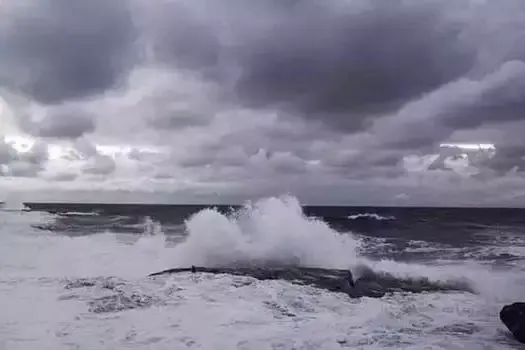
x=55, y=50
x=324, y=99
x=343, y=68
x=61, y=123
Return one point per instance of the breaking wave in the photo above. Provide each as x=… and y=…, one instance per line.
x=272, y=231
x=275, y=232
x=77, y=213
x=371, y=216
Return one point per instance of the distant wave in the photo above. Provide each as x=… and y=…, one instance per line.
x=78, y=213
x=370, y=216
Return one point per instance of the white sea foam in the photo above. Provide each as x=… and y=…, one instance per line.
x=79, y=213
x=371, y=216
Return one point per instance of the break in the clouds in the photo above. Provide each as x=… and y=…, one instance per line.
x=334, y=101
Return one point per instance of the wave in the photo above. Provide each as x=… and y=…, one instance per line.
x=252, y=313
x=275, y=232
x=371, y=216
x=78, y=213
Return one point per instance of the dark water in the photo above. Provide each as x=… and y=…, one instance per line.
x=489, y=234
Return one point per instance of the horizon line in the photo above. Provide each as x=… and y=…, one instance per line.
x=93, y=204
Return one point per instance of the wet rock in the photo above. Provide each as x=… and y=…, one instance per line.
x=367, y=284
x=513, y=317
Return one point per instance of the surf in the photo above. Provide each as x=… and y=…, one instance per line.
x=275, y=232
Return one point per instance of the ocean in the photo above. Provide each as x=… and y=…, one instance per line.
x=76, y=276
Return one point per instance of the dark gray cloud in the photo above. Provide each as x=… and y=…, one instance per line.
x=494, y=99
x=225, y=156
x=346, y=64
x=64, y=177
x=343, y=68
x=339, y=64
x=100, y=165
x=499, y=98
x=7, y=153
x=53, y=50
x=37, y=154
x=95, y=163
x=446, y=153
x=180, y=36
x=83, y=149
x=169, y=119
x=60, y=123
x=361, y=164
x=505, y=159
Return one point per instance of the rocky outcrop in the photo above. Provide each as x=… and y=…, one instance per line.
x=367, y=284
x=513, y=317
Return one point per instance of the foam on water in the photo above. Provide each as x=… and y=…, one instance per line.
x=370, y=216
x=220, y=311
x=76, y=213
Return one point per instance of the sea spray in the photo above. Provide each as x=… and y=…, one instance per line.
x=275, y=231
x=272, y=230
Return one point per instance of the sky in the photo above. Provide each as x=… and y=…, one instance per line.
x=358, y=102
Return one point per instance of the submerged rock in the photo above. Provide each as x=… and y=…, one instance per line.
x=369, y=284
x=513, y=317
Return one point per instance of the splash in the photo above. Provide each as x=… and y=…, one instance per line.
x=270, y=231
x=275, y=231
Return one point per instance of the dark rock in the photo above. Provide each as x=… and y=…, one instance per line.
x=368, y=284
x=513, y=317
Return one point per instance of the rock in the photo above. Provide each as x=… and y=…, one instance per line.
x=367, y=283
x=513, y=317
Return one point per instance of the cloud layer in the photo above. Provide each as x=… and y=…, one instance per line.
x=342, y=101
